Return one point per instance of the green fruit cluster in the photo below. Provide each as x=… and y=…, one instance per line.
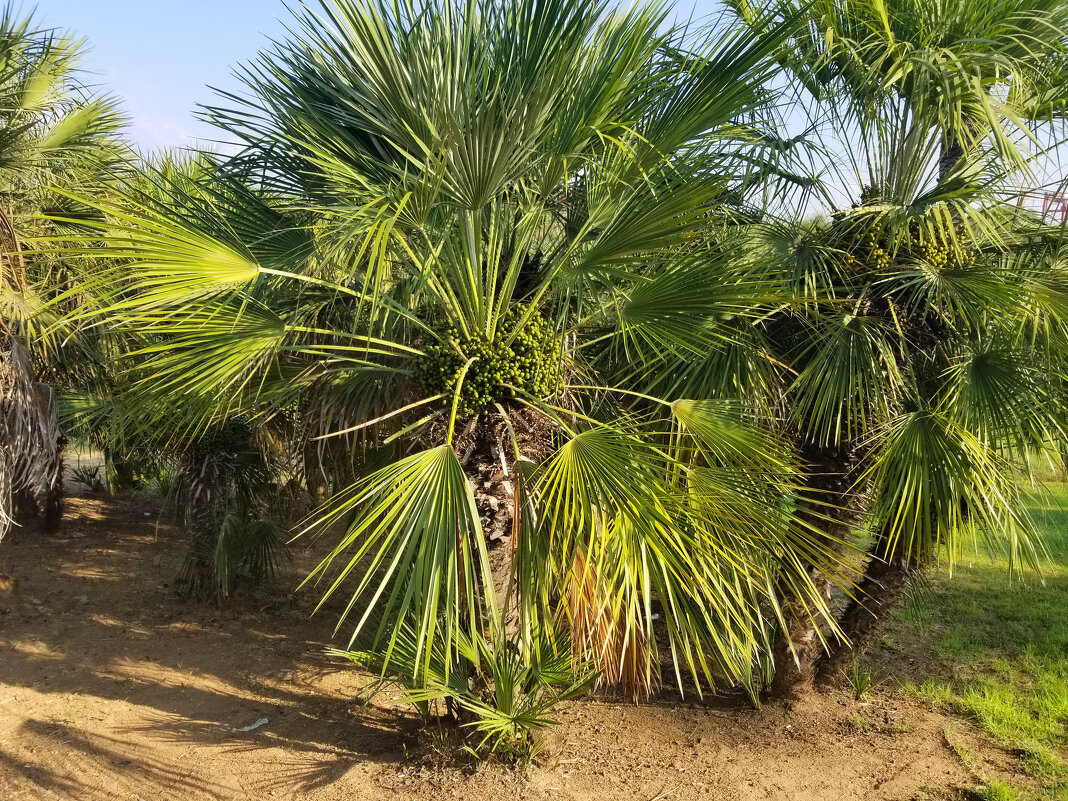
x=877, y=257
x=527, y=359
x=939, y=255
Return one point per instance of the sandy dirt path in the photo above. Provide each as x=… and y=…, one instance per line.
x=112, y=689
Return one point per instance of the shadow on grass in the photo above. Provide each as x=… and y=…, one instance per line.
x=992, y=645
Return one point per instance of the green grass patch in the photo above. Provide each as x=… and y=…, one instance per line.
x=1002, y=640
x=995, y=791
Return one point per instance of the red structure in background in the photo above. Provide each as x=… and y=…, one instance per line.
x=1046, y=204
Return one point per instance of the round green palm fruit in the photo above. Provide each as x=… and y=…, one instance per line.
x=527, y=360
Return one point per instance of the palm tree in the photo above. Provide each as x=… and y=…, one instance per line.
x=53, y=132
x=229, y=485
x=460, y=247
x=929, y=368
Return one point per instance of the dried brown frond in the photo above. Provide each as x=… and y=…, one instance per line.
x=616, y=646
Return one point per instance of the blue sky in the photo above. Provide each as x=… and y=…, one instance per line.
x=160, y=56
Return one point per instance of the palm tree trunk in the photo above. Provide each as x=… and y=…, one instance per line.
x=795, y=652
x=119, y=472
x=953, y=150
x=205, y=485
x=40, y=506
x=52, y=501
x=886, y=578
x=30, y=438
x=489, y=464
x=24, y=509
x=828, y=505
x=951, y=154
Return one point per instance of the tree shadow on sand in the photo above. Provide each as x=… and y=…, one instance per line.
x=94, y=636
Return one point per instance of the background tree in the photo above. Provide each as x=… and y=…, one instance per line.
x=54, y=131
x=231, y=484
x=928, y=371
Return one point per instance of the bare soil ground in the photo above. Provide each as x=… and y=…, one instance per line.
x=110, y=688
